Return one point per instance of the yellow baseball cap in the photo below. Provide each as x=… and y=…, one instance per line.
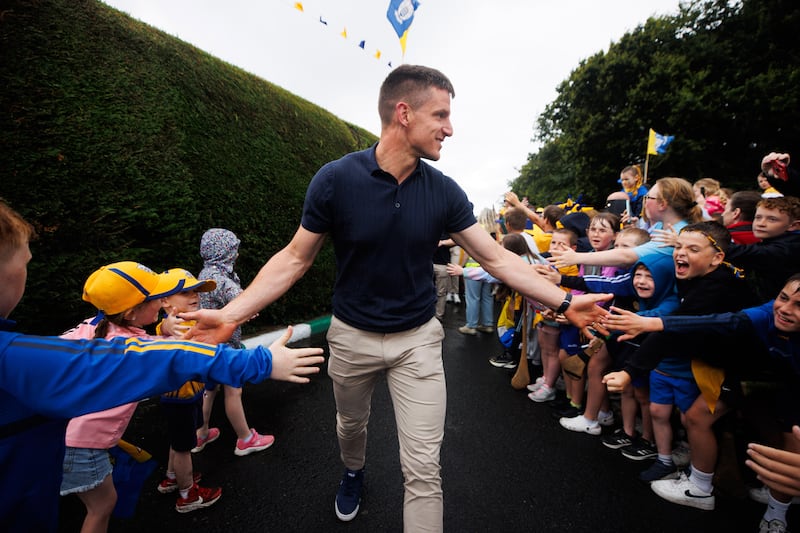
x=118, y=287
x=181, y=280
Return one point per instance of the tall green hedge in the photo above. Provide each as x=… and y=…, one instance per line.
x=120, y=142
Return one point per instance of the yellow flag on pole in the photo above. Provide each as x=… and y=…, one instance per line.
x=657, y=143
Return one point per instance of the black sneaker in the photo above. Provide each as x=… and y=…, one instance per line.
x=640, y=450
x=618, y=439
x=503, y=360
x=570, y=411
x=659, y=470
x=348, y=497
x=561, y=402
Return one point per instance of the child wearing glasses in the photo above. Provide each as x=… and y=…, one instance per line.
x=669, y=205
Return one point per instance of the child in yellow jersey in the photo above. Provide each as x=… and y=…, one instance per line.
x=183, y=407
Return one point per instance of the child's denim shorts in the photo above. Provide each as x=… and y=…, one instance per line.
x=84, y=469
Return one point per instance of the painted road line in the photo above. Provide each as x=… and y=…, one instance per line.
x=299, y=332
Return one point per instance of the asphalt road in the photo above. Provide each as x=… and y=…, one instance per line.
x=506, y=465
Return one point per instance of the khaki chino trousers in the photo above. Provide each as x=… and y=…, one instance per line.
x=412, y=363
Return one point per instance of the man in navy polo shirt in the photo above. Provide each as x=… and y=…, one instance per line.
x=385, y=210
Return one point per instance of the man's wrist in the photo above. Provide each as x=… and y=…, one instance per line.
x=561, y=309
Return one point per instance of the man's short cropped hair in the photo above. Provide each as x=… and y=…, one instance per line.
x=409, y=83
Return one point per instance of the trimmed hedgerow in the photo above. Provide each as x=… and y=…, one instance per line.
x=120, y=142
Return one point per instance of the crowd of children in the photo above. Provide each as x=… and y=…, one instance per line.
x=99, y=367
x=129, y=297
x=699, y=274
x=697, y=310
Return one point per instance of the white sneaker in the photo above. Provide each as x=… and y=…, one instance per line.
x=466, y=330
x=761, y=495
x=456, y=299
x=773, y=526
x=683, y=492
x=536, y=385
x=543, y=394
x=605, y=419
x=580, y=424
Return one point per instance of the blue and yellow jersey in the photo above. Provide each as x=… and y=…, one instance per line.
x=45, y=381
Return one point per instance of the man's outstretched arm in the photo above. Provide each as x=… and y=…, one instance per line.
x=273, y=280
x=506, y=266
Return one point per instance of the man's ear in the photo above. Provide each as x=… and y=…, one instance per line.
x=402, y=110
x=795, y=225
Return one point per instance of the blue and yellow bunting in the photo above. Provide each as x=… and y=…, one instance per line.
x=400, y=15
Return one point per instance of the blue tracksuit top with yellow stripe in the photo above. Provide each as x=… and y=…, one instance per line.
x=44, y=381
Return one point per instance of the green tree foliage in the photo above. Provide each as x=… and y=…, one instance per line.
x=720, y=76
x=120, y=142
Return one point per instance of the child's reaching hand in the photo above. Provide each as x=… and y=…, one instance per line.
x=454, y=270
x=616, y=381
x=552, y=275
x=173, y=326
x=665, y=237
x=293, y=364
x=630, y=323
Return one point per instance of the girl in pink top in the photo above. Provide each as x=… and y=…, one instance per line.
x=127, y=296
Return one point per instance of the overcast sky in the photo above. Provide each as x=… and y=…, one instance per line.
x=504, y=57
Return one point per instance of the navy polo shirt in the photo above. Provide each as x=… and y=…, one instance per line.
x=384, y=237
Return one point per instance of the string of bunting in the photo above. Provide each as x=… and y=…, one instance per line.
x=400, y=15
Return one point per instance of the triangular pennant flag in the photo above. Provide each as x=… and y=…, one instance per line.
x=322, y=21
x=403, y=42
x=362, y=44
x=344, y=33
x=298, y=6
x=377, y=54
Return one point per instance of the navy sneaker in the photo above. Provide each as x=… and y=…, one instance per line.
x=348, y=497
x=659, y=470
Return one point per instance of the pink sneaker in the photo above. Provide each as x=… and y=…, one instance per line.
x=213, y=434
x=256, y=444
